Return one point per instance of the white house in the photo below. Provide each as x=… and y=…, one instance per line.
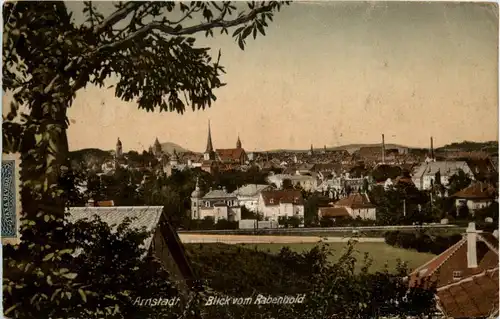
x=476, y=196
x=358, y=205
x=306, y=182
x=218, y=204
x=281, y=203
x=248, y=195
x=277, y=179
x=425, y=174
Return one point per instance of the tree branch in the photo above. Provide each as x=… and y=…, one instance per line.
x=189, y=30
x=118, y=15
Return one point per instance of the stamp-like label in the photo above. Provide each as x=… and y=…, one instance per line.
x=10, y=196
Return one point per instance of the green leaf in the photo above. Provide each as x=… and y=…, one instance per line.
x=237, y=31
x=10, y=309
x=48, y=257
x=58, y=290
x=246, y=32
x=82, y=294
x=70, y=275
x=49, y=281
x=261, y=29
x=38, y=138
x=241, y=43
x=63, y=270
x=65, y=251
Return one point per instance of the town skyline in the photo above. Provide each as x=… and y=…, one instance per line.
x=406, y=69
x=306, y=148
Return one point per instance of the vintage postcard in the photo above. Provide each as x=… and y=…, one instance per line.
x=264, y=159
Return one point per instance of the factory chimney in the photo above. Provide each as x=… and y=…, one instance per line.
x=432, y=149
x=383, y=149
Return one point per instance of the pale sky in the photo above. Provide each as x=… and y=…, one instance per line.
x=330, y=73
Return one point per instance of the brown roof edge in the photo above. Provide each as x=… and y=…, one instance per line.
x=178, y=253
x=485, y=237
x=469, y=278
x=455, y=247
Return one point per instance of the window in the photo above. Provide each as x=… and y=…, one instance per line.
x=457, y=275
x=271, y=201
x=207, y=204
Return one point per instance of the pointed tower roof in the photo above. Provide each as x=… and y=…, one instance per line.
x=238, y=142
x=119, y=142
x=210, y=147
x=197, y=192
x=157, y=142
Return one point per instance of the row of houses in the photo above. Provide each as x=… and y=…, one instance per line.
x=466, y=274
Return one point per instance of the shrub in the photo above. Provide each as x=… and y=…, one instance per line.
x=420, y=241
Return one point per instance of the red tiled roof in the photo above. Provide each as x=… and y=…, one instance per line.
x=441, y=267
x=208, y=163
x=472, y=297
x=355, y=201
x=429, y=268
x=105, y=203
x=476, y=293
x=477, y=190
x=230, y=154
x=329, y=212
x=275, y=197
x=402, y=179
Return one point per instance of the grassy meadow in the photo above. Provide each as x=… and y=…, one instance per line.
x=380, y=253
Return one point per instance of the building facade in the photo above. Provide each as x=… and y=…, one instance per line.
x=217, y=204
x=281, y=203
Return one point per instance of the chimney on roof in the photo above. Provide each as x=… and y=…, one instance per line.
x=472, y=245
x=383, y=149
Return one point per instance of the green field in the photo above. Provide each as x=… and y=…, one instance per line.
x=329, y=233
x=380, y=253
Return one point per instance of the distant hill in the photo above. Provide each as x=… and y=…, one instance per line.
x=468, y=146
x=349, y=147
x=169, y=147
x=80, y=155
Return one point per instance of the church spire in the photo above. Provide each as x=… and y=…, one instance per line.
x=210, y=147
x=238, y=142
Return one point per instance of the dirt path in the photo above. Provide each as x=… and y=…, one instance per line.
x=257, y=239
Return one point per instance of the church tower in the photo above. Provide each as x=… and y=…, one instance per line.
x=157, y=148
x=119, y=150
x=174, y=160
x=209, y=154
x=196, y=196
x=238, y=142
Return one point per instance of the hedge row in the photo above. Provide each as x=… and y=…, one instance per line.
x=421, y=242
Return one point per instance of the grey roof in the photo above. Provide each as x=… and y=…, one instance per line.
x=250, y=190
x=218, y=193
x=444, y=167
x=142, y=216
x=301, y=178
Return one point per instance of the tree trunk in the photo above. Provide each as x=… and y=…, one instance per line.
x=44, y=154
